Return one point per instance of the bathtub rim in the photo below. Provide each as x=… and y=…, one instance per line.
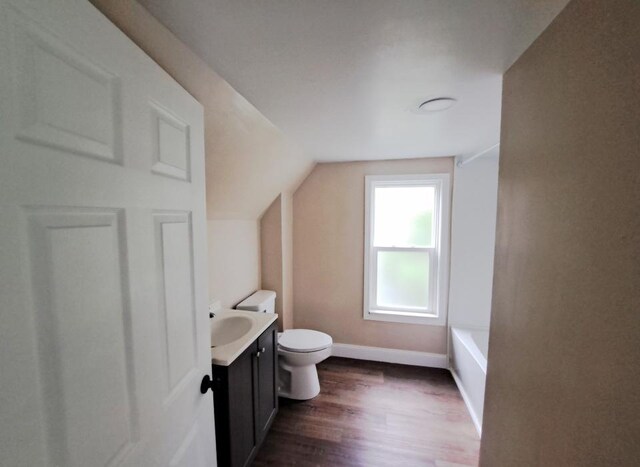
x=464, y=336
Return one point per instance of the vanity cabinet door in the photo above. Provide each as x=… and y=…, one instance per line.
x=246, y=400
x=266, y=385
x=243, y=441
x=234, y=406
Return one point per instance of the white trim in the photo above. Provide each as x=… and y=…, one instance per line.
x=462, y=161
x=442, y=228
x=472, y=349
x=380, y=354
x=467, y=402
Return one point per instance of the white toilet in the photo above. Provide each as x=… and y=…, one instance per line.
x=299, y=350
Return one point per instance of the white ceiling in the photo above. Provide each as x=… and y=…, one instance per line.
x=342, y=78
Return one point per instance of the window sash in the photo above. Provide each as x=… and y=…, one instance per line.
x=373, y=281
x=435, y=184
x=436, y=313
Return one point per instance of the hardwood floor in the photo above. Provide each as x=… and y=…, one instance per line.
x=374, y=414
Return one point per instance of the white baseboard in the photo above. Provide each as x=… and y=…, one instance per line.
x=379, y=354
x=467, y=401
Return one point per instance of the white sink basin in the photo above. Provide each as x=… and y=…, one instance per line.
x=227, y=329
x=232, y=331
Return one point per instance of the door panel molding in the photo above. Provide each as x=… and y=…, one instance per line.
x=64, y=100
x=82, y=315
x=174, y=271
x=189, y=452
x=171, y=144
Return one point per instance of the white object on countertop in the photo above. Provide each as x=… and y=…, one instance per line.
x=215, y=306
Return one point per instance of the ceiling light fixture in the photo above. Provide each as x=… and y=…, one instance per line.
x=436, y=104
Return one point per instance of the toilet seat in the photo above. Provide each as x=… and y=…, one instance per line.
x=304, y=340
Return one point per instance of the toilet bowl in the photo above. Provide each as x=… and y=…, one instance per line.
x=299, y=350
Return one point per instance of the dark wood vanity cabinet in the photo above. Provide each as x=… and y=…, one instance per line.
x=266, y=389
x=246, y=400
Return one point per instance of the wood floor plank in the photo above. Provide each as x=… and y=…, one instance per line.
x=374, y=414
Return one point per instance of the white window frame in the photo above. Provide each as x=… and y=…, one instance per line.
x=436, y=314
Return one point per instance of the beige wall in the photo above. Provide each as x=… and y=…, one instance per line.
x=328, y=256
x=271, y=253
x=287, y=260
x=276, y=256
x=563, y=379
x=234, y=252
x=248, y=160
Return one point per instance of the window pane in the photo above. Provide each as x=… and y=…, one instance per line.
x=403, y=279
x=404, y=216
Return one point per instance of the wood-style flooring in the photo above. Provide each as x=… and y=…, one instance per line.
x=374, y=414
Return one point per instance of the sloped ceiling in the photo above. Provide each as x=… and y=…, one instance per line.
x=248, y=160
x=342, y=78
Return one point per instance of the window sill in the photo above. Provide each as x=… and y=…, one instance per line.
x=404, y=317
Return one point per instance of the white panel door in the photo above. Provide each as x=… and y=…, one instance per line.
x=103, y=304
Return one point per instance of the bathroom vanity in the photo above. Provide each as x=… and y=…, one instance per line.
x=245, y=383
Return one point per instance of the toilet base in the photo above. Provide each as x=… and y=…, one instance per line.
x=298, y=374
x=299, y=383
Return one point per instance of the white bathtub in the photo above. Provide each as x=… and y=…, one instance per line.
x=469, y=368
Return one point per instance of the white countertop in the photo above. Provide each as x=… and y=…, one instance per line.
x=225, y=354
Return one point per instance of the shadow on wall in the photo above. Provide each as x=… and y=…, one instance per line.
x=564, y=353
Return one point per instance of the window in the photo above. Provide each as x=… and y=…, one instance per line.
x=406, y=248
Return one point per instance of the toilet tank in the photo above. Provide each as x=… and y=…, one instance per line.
x=263, y=301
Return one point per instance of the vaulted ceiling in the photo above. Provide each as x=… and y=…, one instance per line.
x=343, y=78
